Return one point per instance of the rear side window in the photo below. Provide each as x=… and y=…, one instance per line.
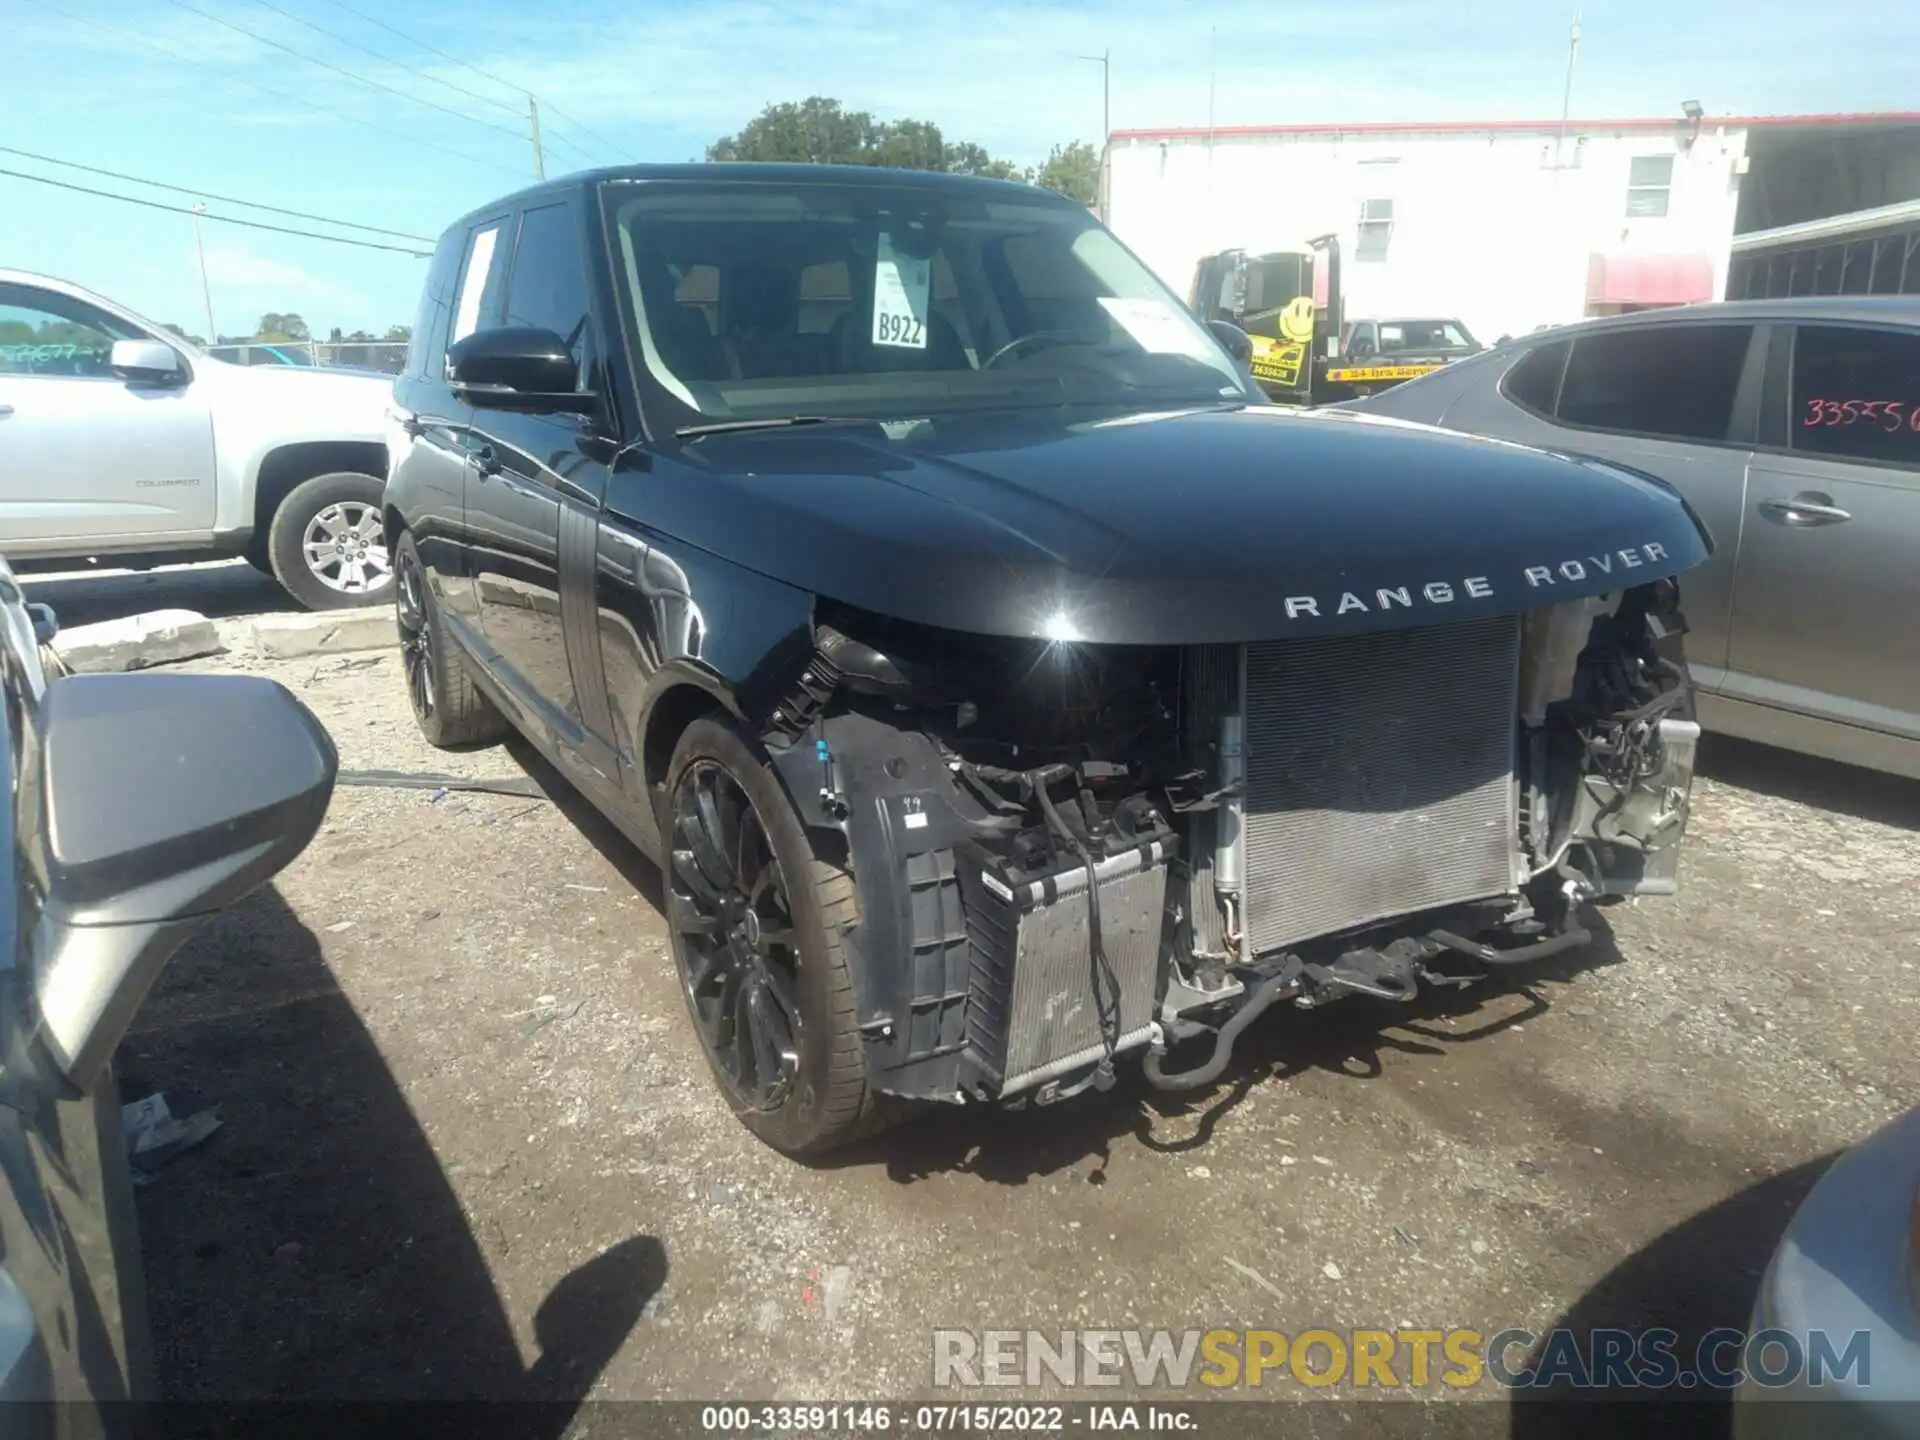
x=1533, y=383
x=479, y=295
x=548, y=287
x=1676, y=382
x=1856, y=394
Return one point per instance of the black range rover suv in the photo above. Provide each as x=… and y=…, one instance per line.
x=1006, y=691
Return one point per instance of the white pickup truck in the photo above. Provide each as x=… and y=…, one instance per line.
x=122, y=443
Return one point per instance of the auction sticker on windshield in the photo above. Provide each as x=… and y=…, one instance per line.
x=1155, y=326
x=900, y=285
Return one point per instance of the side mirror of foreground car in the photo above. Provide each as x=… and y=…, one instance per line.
x=146, y=362
x=517, y=367
x=1238, y=343
x=163, y=799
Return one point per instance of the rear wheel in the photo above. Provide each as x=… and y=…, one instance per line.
x=756, y=918
x=327, y=545
x=447, y=706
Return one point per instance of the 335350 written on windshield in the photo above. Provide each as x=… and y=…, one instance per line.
x=1889, y=415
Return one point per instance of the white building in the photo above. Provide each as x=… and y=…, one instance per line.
x=1507, y=225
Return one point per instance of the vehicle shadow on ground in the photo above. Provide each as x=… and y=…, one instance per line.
x=218, y=591
x=314, y=1249
x=1808, y=780
x=1700, y=1276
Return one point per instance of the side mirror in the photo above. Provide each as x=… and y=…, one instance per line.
x=517, y=367
x=1238, y=343
x=46, y=624
x=162, y=800
x=146, y=362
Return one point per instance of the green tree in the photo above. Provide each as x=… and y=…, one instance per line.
x=821, y=131
x=184, y=334
x=1073, y=170
x=399, y=334
x=275, y=326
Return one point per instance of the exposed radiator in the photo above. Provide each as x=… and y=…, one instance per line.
x=1380, y=776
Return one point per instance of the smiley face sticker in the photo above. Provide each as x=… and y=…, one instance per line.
x=1296, y=320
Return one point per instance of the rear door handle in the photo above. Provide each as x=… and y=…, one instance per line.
x=1807, y=509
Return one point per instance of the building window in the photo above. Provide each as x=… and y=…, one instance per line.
x=1649, y=178
x=1376, y=229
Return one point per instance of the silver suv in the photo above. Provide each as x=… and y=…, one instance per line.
x=1792, y=427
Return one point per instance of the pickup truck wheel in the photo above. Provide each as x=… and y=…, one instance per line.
x=447, y=706
x=327, y=545
x=755, y=917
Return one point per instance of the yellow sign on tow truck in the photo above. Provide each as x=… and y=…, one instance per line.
x=1278, y=362
x=1366, y=373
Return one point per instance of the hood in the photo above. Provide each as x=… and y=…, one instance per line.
x=1203, y=526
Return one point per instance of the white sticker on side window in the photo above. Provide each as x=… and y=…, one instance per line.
x=1156, y=327
x=900, y=285
x=478, y=263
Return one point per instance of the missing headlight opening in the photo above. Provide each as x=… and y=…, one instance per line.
x=1073, y=855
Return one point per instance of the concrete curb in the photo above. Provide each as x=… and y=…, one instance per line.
x=330, y=632
x=155, y=637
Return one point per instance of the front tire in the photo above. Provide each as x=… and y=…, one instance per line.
x=327, y=545
x=756, y=917
x=447, y=706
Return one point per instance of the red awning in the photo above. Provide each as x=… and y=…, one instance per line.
x=1638, y=278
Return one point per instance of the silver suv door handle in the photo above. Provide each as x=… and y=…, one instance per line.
x=6, y=409
x=1806, y=509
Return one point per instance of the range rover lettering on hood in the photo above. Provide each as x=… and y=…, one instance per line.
x=1475, y=587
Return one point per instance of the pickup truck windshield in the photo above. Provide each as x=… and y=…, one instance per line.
x=756, y=300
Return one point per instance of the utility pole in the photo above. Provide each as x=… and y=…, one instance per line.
x=1566, y=98
x=533, y=124
x=206, y=290
x=1103, y=60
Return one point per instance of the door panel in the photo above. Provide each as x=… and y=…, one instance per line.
x=1823, y=621
x=88, y=456
x=98, y=459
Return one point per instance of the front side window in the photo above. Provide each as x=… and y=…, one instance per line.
x=1649, y=180
x=548, y=286
x=1856, y=394
x=43, y=333
x=1676, y=382
x=767, y=300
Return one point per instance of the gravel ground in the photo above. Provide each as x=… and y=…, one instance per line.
x=470, y=1147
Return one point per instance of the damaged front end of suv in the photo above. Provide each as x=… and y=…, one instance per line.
x=1071, y=854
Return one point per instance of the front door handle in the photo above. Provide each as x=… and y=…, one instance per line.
x=1807, y=509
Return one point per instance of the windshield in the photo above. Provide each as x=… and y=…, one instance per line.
x=1424, y=337
x=756, y=300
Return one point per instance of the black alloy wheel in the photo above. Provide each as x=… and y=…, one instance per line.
x=416, y=635
x=738, y=950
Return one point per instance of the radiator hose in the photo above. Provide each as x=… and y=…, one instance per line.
x=1106, y=1011
x=1275, y=990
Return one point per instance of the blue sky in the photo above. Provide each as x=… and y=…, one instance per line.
x=90, y=81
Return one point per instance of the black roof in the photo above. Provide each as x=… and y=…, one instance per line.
x=735, y=171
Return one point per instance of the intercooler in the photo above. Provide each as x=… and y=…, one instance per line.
x=1379, y=776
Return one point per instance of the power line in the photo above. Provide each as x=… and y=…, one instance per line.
x=222, y=219
x=254, y=35
x=483, y=74
x=299, y=100
x=209, y=195
x=386, y=59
